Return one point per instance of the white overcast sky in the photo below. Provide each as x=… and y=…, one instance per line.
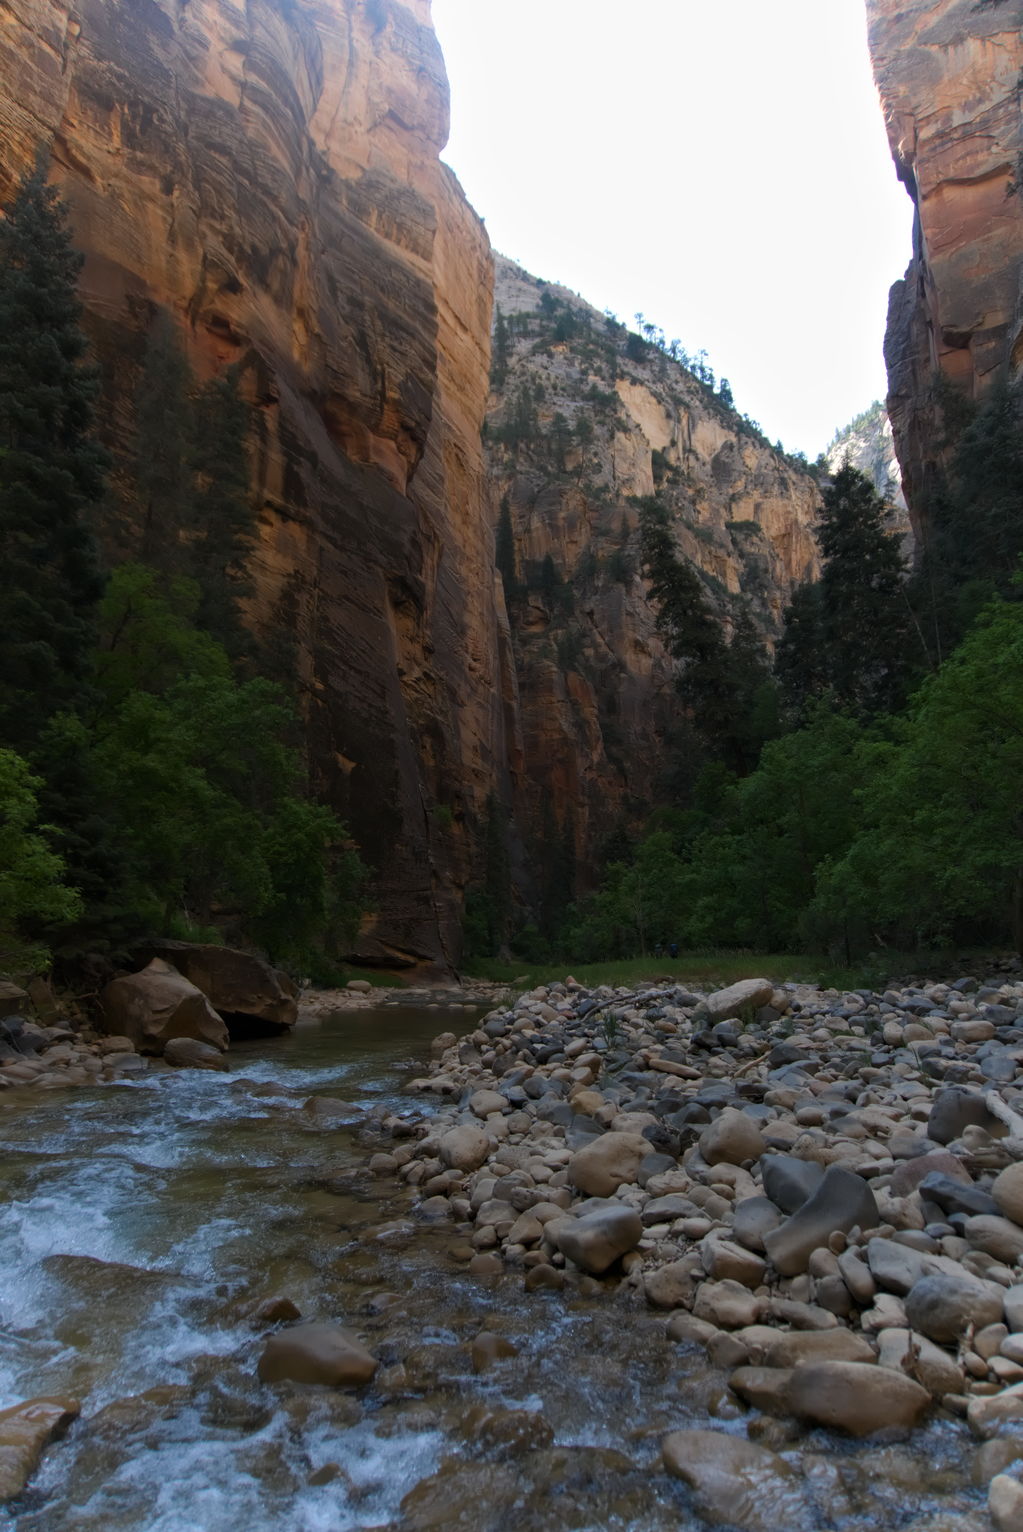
x=721, y=168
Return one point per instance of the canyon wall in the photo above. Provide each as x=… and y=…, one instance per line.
x=586, y=421
x=269, y=171
x=949, y=74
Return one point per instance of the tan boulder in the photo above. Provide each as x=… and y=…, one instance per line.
x=190, y=1053
x=595, y=1241
x=157, y=1004
x=738, y=999
x=904, y=1351
x=733, y=1137
x=1005, y=1503
x=1008, y=1192
x=316, y=1354
x=737, y=1482
x=463, y=1148
x=610, y=1161
x=855, y=1397
x=25, y=1430
x=235, y=983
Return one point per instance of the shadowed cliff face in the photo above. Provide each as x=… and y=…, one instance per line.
x=269, y=171
x=583, y=422
x=948, y=72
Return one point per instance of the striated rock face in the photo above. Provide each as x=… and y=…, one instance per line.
x=582, y=422
x=269, y=171
x=948, y=72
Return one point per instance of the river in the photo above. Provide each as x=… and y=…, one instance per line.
x=141, y=1221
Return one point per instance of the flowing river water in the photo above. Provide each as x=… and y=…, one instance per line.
x=139, y=1222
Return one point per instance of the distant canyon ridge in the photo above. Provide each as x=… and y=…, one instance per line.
x=270, y=174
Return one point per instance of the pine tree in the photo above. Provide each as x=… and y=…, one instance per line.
x=502, y=347
x=504, y=552
x=861, y=642
x=51, y=469
x=223, y=524
x=164, y=446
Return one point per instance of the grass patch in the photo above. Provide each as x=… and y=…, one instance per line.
x=712, y=970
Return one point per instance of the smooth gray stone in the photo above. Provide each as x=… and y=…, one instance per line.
x=788, y=1181
x=955, y=1197
x=943, y=1307
x=841, y=1201
x=955, y=1109
x=752, y=1219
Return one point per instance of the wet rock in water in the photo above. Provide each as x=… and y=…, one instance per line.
x=273, y=1311
x=856, y=1397
x=733, y=1137
x=464, y=1148
x=942, y=1306
x=764, y=1388
x=25, y=1431
x=608, y=1162
x=316, y=1354
x=991, y=1414
x=792, y=1348
x=841, y=1201
x=1005, y=1503
x=189, y=1053
x=597, y=1239
x=504, y=1433
x=157, y=1004
x=736, y=1482
x=489, y=1348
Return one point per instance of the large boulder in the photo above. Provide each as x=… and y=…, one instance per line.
x=235, y=983
x=610, y=1161
x=316, y=1354
x=789, y=1182
x=737, y=1000
x=1007, y=1193
x=25, y=1430
x=955, y=1109
x=157, y=1004
x=188, y=1053
x=596, y=1240
x=857, y=1397
x=841, y=1201
x=463, y=1148
x=737, y=1482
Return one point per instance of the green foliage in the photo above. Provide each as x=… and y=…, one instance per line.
x=51, y=469
x=487, y=913
x=501, y=352
x=33, y=892
x=852, y=635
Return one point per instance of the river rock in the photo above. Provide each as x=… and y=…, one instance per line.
x=316, y=1354
x=764, y=1388
x=670, y=1286
x=745, y=996
x=189, y=1053
x=158, y=1004
x=953, y=1194
x=1007, y=1192
x=795, y=1347
x=903, y=1351
x=790, y=1182
x=596, y=1240
x=737, y=1482
x=463, y=1148
x=991, y=1414
x=733, y=1137
x=955, y=1109
x=943, y=1307
x=855, y=1397
x=489, y=1348
x=841, y=1201
x=895, y=1268
x=728, y=1305
x=724, y=1260
x=25, y=1430
x=235, y=983
x=610, y=1161
x=997, y=1237
x=753, y=1218
x=483, y=1102
x=1005, y=1503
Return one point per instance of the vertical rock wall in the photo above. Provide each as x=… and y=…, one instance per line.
x=949, y=74
x=269, y=170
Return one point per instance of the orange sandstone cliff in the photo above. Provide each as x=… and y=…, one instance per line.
x=949, y=75
x=269, y=170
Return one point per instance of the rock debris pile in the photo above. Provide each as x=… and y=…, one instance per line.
x=824, y=1190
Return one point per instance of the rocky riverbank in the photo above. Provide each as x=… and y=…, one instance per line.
x=823, y=1190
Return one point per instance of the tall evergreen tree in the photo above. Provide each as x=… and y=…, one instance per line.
x=504, y=552
x=51, y=468
x=501, y=352
x=856, y=638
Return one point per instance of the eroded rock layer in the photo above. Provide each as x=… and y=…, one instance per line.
x=269, y=171
x=948, y=72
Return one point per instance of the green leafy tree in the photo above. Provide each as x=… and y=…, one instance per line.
x=51, y=469
x=34, y=895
